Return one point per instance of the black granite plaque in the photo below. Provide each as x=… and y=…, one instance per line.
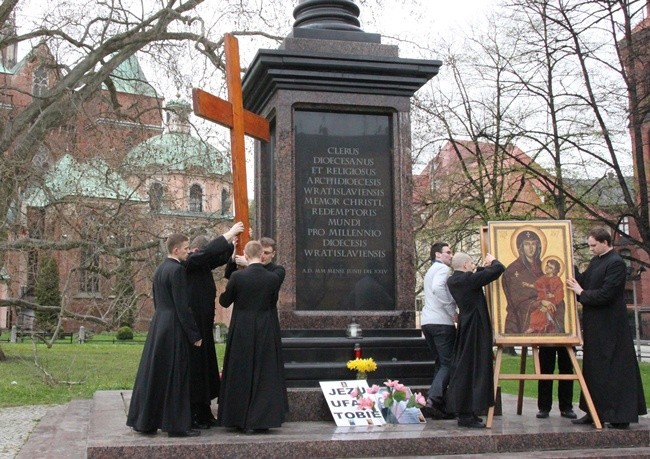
x=344, y=212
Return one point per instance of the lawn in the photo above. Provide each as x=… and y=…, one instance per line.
x=78, y=370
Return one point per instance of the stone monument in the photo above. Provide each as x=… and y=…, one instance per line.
x=333, y=185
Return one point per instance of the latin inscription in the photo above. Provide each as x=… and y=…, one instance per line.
x=344, y=208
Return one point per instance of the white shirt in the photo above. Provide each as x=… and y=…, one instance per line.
x=439, y=306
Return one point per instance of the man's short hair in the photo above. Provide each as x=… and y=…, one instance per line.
x=267, y=242
x=437, y=248
x=459, y=259
x=175, y=240
x=601, y=235
x=253, y=249
x=199, y=242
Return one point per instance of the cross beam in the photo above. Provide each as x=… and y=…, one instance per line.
x=231, y=114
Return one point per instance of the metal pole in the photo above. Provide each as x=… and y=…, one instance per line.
x=636, y=321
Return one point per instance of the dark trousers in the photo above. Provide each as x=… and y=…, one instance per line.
x=545, y=388
x=440, y=339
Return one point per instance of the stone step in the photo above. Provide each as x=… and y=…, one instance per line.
x=308, y=374
x=61, y=433
x=622, y=453
x=97, y=430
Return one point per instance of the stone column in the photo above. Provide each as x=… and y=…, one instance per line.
x=333, y=186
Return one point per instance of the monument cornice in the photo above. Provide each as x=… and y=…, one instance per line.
x=281, y=69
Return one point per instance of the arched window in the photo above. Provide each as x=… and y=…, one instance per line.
x=39, y=81
x=196, y=198
x=155, y=196
x=225, y=202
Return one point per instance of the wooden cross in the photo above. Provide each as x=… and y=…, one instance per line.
x=231, y=114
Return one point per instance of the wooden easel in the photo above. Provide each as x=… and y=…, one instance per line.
x=522, y=377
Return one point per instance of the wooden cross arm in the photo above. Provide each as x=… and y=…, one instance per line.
x=220, y=111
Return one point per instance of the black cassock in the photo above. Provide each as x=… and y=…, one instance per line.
x=253, y=389
x=471, y=384
x=204, y=371
x=279, y=270
x=609, y=363
x=161, y=393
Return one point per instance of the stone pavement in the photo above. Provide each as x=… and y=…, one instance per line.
x=16, y=423
x=96, y=429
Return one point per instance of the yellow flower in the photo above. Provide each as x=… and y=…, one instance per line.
x=362, y=365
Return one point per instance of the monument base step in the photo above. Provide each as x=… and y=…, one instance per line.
x=96, y=429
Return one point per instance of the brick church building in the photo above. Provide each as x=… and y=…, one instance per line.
x=103, y=192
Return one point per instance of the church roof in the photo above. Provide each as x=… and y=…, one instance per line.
x=69, y=178
x=128, y=77
x=177, y=152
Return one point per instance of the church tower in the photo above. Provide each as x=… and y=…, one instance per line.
x=8, y=51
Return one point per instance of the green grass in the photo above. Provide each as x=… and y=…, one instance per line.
x=78, y=370
x=101, y=364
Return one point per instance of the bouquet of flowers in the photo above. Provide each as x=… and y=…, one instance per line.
x=390, y=397
x=362, y=366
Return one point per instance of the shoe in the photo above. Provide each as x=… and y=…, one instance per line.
x=436, y=411
x=200, y=425
x=146, y=432
x=428, y=411
x=186, y=433
x=567, y=414
x=618, y=425
x=586, y=419
x=543, y=414
x=212, y=421
x=471, y=423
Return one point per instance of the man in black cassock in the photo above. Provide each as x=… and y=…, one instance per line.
x=471, y=385
x=268, y=253
x=609, y=363
x=161, y=392
x=205, y=256
x=253, y=394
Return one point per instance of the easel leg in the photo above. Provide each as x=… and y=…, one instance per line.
x=497, y=372
x=522, y=371
x=583, y=386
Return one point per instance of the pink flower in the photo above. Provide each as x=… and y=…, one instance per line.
x=355, y=392
x=419, y=399
x=373, y=389
x=385, y=395
x=366, y=403
x=399, y=387
x=390, y=383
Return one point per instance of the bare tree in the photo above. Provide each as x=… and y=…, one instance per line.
x=81, y=47
x=555, y=78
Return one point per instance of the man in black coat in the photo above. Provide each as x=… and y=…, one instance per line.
x=161, y=393
x=205, y=256
x=253, y=394
x=471, y=385
x=609, y=363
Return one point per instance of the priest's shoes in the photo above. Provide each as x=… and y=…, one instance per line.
x=186, y=433
x=200, y=425
x=471, y=423
x=618, y=425
x=586, y=419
